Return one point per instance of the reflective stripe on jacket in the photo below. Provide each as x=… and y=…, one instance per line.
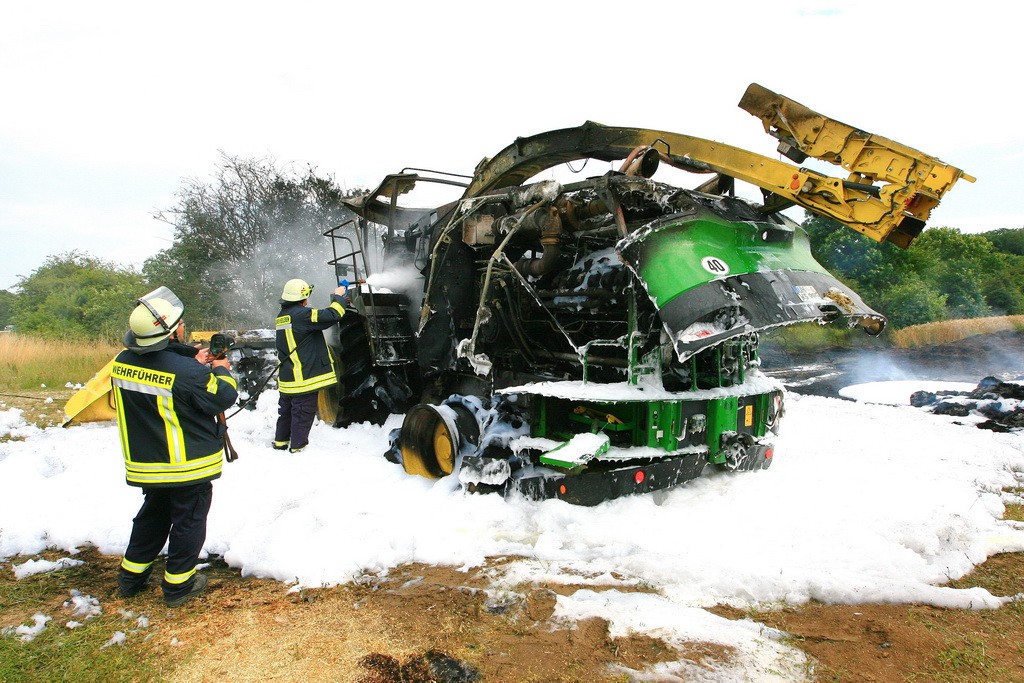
x=306, y=363
x=166, y=407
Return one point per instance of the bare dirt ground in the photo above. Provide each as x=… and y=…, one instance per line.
x=426, y=623
x=882, y=643
x=42, y=407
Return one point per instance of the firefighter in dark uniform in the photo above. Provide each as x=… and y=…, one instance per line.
x=306, y=362
x=167, y=400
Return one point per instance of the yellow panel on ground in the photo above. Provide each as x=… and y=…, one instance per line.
x=94, y=402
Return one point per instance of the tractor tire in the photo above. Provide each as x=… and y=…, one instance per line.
x=353, y=366
x=365, y=392
x=743, y=453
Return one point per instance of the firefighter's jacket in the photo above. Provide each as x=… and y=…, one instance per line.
x=166, y=406
x=306, y=362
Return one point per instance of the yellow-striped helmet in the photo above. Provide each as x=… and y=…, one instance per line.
x=155, y=317
x=296, y=290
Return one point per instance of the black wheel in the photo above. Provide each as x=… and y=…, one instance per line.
x=352, y=364
x=364, y=392
x=742, y=453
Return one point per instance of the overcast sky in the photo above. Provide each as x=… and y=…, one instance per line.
x=108, y=106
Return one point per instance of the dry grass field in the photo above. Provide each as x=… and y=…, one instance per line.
x=30, y=363
x=949, y=331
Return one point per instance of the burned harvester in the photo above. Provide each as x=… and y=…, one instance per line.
x=598, y=338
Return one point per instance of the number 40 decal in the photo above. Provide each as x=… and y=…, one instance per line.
x=714, y=265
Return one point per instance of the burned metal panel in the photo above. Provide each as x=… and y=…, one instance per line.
x=753, y=302
x=713, y=278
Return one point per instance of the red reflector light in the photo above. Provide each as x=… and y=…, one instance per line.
x=769, y=453
x=561, y=489
x=639, y=476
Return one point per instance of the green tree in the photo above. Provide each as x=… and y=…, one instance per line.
x=913, y=302
x=7, y=300
x=1003, y=274
x=944, y=274
x=953, y=263
x=949, y=246
x=77, y=296
x=1003, y=298
x=868, y=267
x=963, y=292
x=241, y=234
x=1008, y=240
x=183, y=270
x=1003, y=284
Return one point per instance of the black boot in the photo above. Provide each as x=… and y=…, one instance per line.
x=197, y=586
x=130, y=584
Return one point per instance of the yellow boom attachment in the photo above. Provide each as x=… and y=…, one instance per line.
x=889, y=193
x=891, y=189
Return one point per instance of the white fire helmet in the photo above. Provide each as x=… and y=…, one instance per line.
x=296, y=290
x=155, y=317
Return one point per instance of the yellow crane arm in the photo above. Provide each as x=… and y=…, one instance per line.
x=888, y=195
x=911, y=183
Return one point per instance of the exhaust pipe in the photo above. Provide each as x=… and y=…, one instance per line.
x=642, y=162
x=548, y=222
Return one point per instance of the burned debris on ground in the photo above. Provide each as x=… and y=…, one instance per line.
x=432, y=666
x=998, y=402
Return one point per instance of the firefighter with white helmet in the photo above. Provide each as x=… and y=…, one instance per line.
x=167, y=399
x=306, y=362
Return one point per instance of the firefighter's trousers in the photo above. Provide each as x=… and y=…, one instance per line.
x=175, y=516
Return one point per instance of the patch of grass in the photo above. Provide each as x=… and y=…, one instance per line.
x=62, y=654
x=973, y=648
x=948, y=331
x=797, y=338
x=965, y=661
x=967, y=656
x=1015, y=512
x=999, y=574
x=29, y=362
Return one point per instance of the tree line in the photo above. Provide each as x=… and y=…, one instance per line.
x=237, y=237
x=253, y=224
x=944, y=275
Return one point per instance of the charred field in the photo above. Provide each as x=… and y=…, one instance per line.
x=824, y=372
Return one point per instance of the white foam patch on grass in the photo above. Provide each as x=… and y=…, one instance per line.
x=864, y=503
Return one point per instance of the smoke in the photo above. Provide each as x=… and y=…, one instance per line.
x=969, y=360
x=303, y=251
x=876, y=366
x=404, y=278
x=825, y=372
x=294, y=251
